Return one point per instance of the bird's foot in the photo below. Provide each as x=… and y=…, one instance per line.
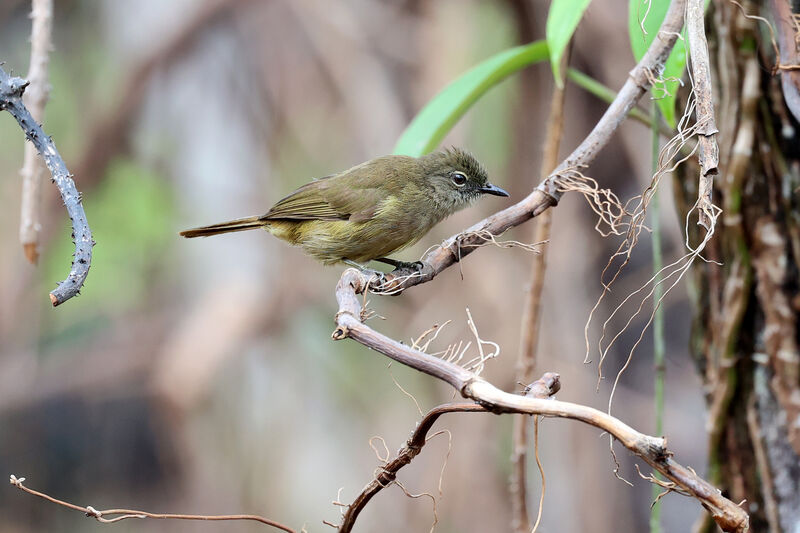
x=416, y=266
x=374, y=276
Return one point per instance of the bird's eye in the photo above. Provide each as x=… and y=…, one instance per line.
x=459, y=179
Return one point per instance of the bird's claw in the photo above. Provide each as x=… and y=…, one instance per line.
x=416, y=266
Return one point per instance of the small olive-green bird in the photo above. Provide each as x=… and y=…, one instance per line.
x=371, y=210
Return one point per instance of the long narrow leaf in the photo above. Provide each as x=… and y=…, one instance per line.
x=439, y=116
x=562, y=20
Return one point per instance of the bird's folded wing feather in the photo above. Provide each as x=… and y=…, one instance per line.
x=330, y=198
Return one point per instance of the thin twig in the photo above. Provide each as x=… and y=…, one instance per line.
x=547, y=193
x=387, y=474
x=124, y=514
x=536, y=420
x=35, y=99
x=659, y=365
x=11, y=90
x=531, y=319
x=652, y=450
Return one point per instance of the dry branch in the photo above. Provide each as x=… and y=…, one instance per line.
x=388, y=473
x=124, y=514
x=653, y=450
x=544, y=387
x=35, y=98
x=547, y=193
x=708, y=153
x=11, y=90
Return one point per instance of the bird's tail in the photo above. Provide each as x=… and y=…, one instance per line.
x=240, y=224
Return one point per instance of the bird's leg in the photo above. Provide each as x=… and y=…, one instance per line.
x=415, y=266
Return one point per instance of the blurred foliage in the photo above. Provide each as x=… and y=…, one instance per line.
x=131, y=215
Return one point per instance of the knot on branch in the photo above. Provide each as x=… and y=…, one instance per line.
x=16, y=481
x=544, y=387
x=93, y=513
x=341, y=332
x=551, y=190
x=657, y=448
x=385, y=476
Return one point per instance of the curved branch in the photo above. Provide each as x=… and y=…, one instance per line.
x=543, y=387
x=652, y=450
x=11, y=90
x=547, y=193
x=388, y=473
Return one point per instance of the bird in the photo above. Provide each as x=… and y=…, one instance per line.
x=371, y=210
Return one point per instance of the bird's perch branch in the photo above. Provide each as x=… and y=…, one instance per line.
x=548, y=193
x=652, y=450
x=11, y=89
x=35, y=98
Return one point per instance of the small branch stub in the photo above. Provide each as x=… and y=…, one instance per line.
x=11, y=89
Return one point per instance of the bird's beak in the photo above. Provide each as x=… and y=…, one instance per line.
x=493, y=189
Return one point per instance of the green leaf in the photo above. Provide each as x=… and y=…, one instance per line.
x=562, y=19
x=650, y=14
x=439, y=116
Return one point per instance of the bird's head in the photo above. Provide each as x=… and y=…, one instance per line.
x=457, y=178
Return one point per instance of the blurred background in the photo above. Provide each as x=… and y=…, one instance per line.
x=199, y=376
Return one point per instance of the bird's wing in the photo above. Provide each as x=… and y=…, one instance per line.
x=339, y=197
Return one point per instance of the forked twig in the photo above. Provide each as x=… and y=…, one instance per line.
x=387, y=474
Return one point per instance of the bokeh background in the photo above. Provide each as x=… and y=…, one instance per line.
x=199, y=376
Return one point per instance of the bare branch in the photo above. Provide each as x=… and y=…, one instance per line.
x=544, y=387
x=388, y=473
x=11, y=90
x=653, y=450
x=35, y=98
x=124, y=514
x=708, y=153
x=547, y=193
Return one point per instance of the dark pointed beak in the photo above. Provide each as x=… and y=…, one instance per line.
x=493, y=189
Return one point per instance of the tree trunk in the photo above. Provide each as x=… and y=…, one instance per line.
x=745, y=338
